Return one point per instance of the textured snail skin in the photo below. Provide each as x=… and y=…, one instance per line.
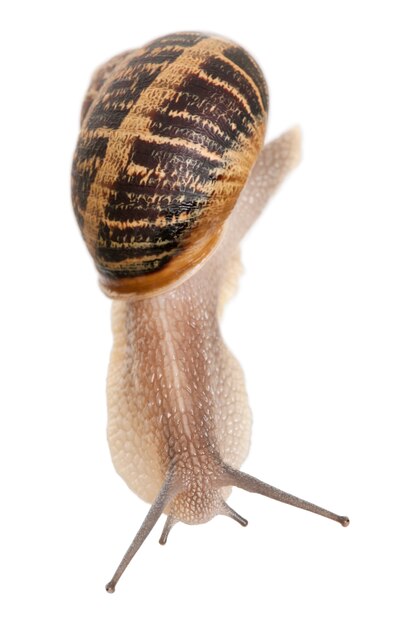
x=176, y=394
x=179, y=420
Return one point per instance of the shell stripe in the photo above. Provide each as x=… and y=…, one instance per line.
x=247, y=65
x=205, y=100
x=166, y=198
x=231, y=77
x=110, y=110
x=98, y=79
x=91, y=152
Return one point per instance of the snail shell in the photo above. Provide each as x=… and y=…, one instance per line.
x=169, y=135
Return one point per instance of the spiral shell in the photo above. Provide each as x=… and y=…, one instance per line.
x=169, y=134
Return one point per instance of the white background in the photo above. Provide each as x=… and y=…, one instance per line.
x=323, y=325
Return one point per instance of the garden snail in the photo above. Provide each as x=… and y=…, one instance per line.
x=169, y=173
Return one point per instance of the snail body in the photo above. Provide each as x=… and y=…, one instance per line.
x=169, y=173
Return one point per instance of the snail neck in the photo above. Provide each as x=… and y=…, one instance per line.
x=174, y=344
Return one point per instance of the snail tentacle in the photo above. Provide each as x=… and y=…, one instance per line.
x=168, y=491
x=236, y=478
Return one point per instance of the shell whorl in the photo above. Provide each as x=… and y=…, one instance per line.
x=168, y=137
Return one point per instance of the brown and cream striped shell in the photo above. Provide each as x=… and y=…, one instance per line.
x=169, y=134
